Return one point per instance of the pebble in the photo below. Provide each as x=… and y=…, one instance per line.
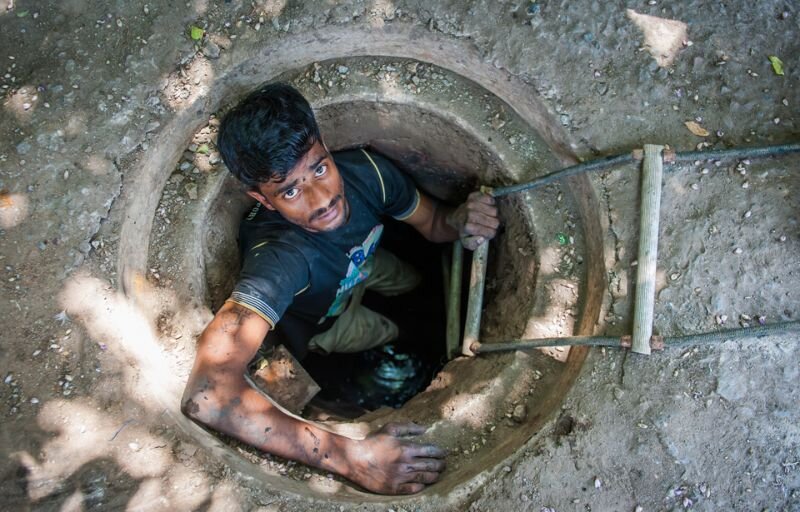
x=782, y=238
x=520, y=413
x=738, y=250
x=23, y=148
x=191, y=190
x=695, y=186
x=598, y=483
x=747, y=214
x=746, y=184
x=211, y=50
x=507, y=469
x=343, y=70
x=704, y=170
x=146, y=9
x=34, y=401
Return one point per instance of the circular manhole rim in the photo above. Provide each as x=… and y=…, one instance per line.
x=448, y=55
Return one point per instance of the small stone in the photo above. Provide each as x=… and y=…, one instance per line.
x=746, y=184
x=598, y=483
x=704, y=170
x=738, y=250
x=193, y=148
x=777, y=120
x=119, y=23
x=782, y=238
x=343, y=70
x=34, y=401
x=211, y=50
x=785, y=102
x=520, y=413
x=674, y=276
x=134, y=447
x=695, y=186
x=721, y=319
x=185, y=166
x=146, y=9
x=23, y=148
x=747, y=214
x=507, y=469
x=191, y=190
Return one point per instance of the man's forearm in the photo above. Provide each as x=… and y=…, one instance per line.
x=245, y=414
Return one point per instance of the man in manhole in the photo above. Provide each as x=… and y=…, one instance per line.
x=309, y=248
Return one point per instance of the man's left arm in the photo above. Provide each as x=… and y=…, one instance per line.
x=474, y=221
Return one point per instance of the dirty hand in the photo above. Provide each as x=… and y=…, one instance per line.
x=476, y=220
x=386, y=464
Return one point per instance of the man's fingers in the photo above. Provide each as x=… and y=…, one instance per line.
x=481, y=197
x=404, y=429
x=426, y=477
x=409, y=488
x=482, y=208
x=428, y=465
x=426, y=450
x=473, y=229
x=472, y=242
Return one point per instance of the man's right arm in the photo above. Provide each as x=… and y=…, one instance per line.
x=218, y=396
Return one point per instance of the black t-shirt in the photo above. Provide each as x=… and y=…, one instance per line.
x=305, y=279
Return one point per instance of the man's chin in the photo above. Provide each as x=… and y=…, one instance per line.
x=324, y=225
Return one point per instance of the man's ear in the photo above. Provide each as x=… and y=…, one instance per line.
x=258, y=196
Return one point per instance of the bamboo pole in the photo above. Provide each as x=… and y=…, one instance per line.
x=454, y=300
x=644, y=305
x=472, y=326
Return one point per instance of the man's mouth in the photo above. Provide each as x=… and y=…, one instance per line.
x=329, y=213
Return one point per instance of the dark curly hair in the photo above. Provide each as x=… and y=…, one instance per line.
x=265, y=135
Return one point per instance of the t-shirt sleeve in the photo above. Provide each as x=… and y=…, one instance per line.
x=272, y=274
x=399, y=194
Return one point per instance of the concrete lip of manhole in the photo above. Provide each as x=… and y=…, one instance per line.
x=450, y=133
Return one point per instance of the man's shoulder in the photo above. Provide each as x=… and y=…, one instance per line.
x=261, y=226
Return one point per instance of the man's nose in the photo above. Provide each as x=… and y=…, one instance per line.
x=320, y=198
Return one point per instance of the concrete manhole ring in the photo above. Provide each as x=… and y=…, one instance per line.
x=545, y=274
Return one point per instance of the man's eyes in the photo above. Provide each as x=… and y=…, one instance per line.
x=294, y=192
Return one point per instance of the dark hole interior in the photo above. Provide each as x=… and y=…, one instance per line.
x=390, y=375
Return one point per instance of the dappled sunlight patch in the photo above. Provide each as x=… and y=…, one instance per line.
x=22, y=103
x=13, y=209
x=379, y=11
x=114, y=320
x=193, y=82
x=186, y=489
x=662, y=37
x=84, y=434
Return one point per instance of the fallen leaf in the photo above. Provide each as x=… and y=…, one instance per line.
x=777, y=65
x=203, y=149
x=696, y=129
x=196, y=33
x=22, y=14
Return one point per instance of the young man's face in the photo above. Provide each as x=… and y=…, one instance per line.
x=311, y=196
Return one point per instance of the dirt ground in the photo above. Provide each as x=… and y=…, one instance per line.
x=87, y=88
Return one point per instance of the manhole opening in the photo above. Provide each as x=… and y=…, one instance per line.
x=450, y=135
x=390, y=375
